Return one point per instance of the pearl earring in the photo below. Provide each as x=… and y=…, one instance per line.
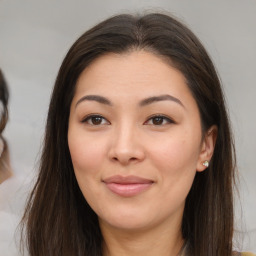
x=206, y=163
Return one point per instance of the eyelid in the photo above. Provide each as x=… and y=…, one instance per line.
x=90, y=116
x=166, y=118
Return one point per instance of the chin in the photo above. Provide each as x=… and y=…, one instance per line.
x=128, y=225
x=126, y=220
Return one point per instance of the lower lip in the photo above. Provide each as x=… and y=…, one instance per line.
x=128, y=190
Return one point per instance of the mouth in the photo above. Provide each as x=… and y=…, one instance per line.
x=127, y=186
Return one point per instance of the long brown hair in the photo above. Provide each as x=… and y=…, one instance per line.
x=58, y=219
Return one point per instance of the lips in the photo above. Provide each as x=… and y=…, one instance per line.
x=127, y=186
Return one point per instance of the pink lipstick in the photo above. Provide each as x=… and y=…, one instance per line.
x=127, y=186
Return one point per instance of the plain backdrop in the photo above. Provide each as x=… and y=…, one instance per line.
x=35, y=36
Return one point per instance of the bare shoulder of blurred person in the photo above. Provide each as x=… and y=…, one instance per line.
x=5, y=169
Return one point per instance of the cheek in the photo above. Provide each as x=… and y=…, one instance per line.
x=175, y=161
x=87, y=158
x=86, y=154
x=176, y=156
x=176, y=153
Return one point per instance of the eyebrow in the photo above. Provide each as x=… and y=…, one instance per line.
x=96, y=98
x=164, y=97
x=147, y=101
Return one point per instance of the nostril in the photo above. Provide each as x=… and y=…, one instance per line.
x=126, y=155
x=123, y=159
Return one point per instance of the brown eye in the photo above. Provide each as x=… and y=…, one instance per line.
x=159, y=120
x=95, y=120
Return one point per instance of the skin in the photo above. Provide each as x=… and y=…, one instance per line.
x=128, y=139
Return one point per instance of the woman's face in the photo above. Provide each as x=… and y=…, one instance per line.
x=135, y=140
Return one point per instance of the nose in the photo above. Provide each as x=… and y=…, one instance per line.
x=126, y=146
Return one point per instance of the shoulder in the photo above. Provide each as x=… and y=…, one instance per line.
x=247, y=254
x=243, y=254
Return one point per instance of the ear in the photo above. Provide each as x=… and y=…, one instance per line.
x=207, y=147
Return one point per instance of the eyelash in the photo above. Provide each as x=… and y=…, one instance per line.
x=89, y=119
x=165, y=119
x=162, y=118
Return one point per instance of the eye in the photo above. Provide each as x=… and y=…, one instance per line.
x=158, y=120
x=95, y=120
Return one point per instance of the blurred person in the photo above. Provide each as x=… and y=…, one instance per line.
x=5, y=169
x=9, y=218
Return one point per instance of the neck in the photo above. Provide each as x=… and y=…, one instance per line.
x=157, y=241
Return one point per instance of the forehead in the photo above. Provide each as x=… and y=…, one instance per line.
x=136, y=74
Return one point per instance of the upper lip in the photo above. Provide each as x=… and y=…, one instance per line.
x=127, y=180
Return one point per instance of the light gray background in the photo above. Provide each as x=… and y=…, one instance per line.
x=34, y=37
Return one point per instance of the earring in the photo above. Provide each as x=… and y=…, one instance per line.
x=206, y=163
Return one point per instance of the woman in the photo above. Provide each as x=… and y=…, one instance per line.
x=138, y=157
x=5, y=170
